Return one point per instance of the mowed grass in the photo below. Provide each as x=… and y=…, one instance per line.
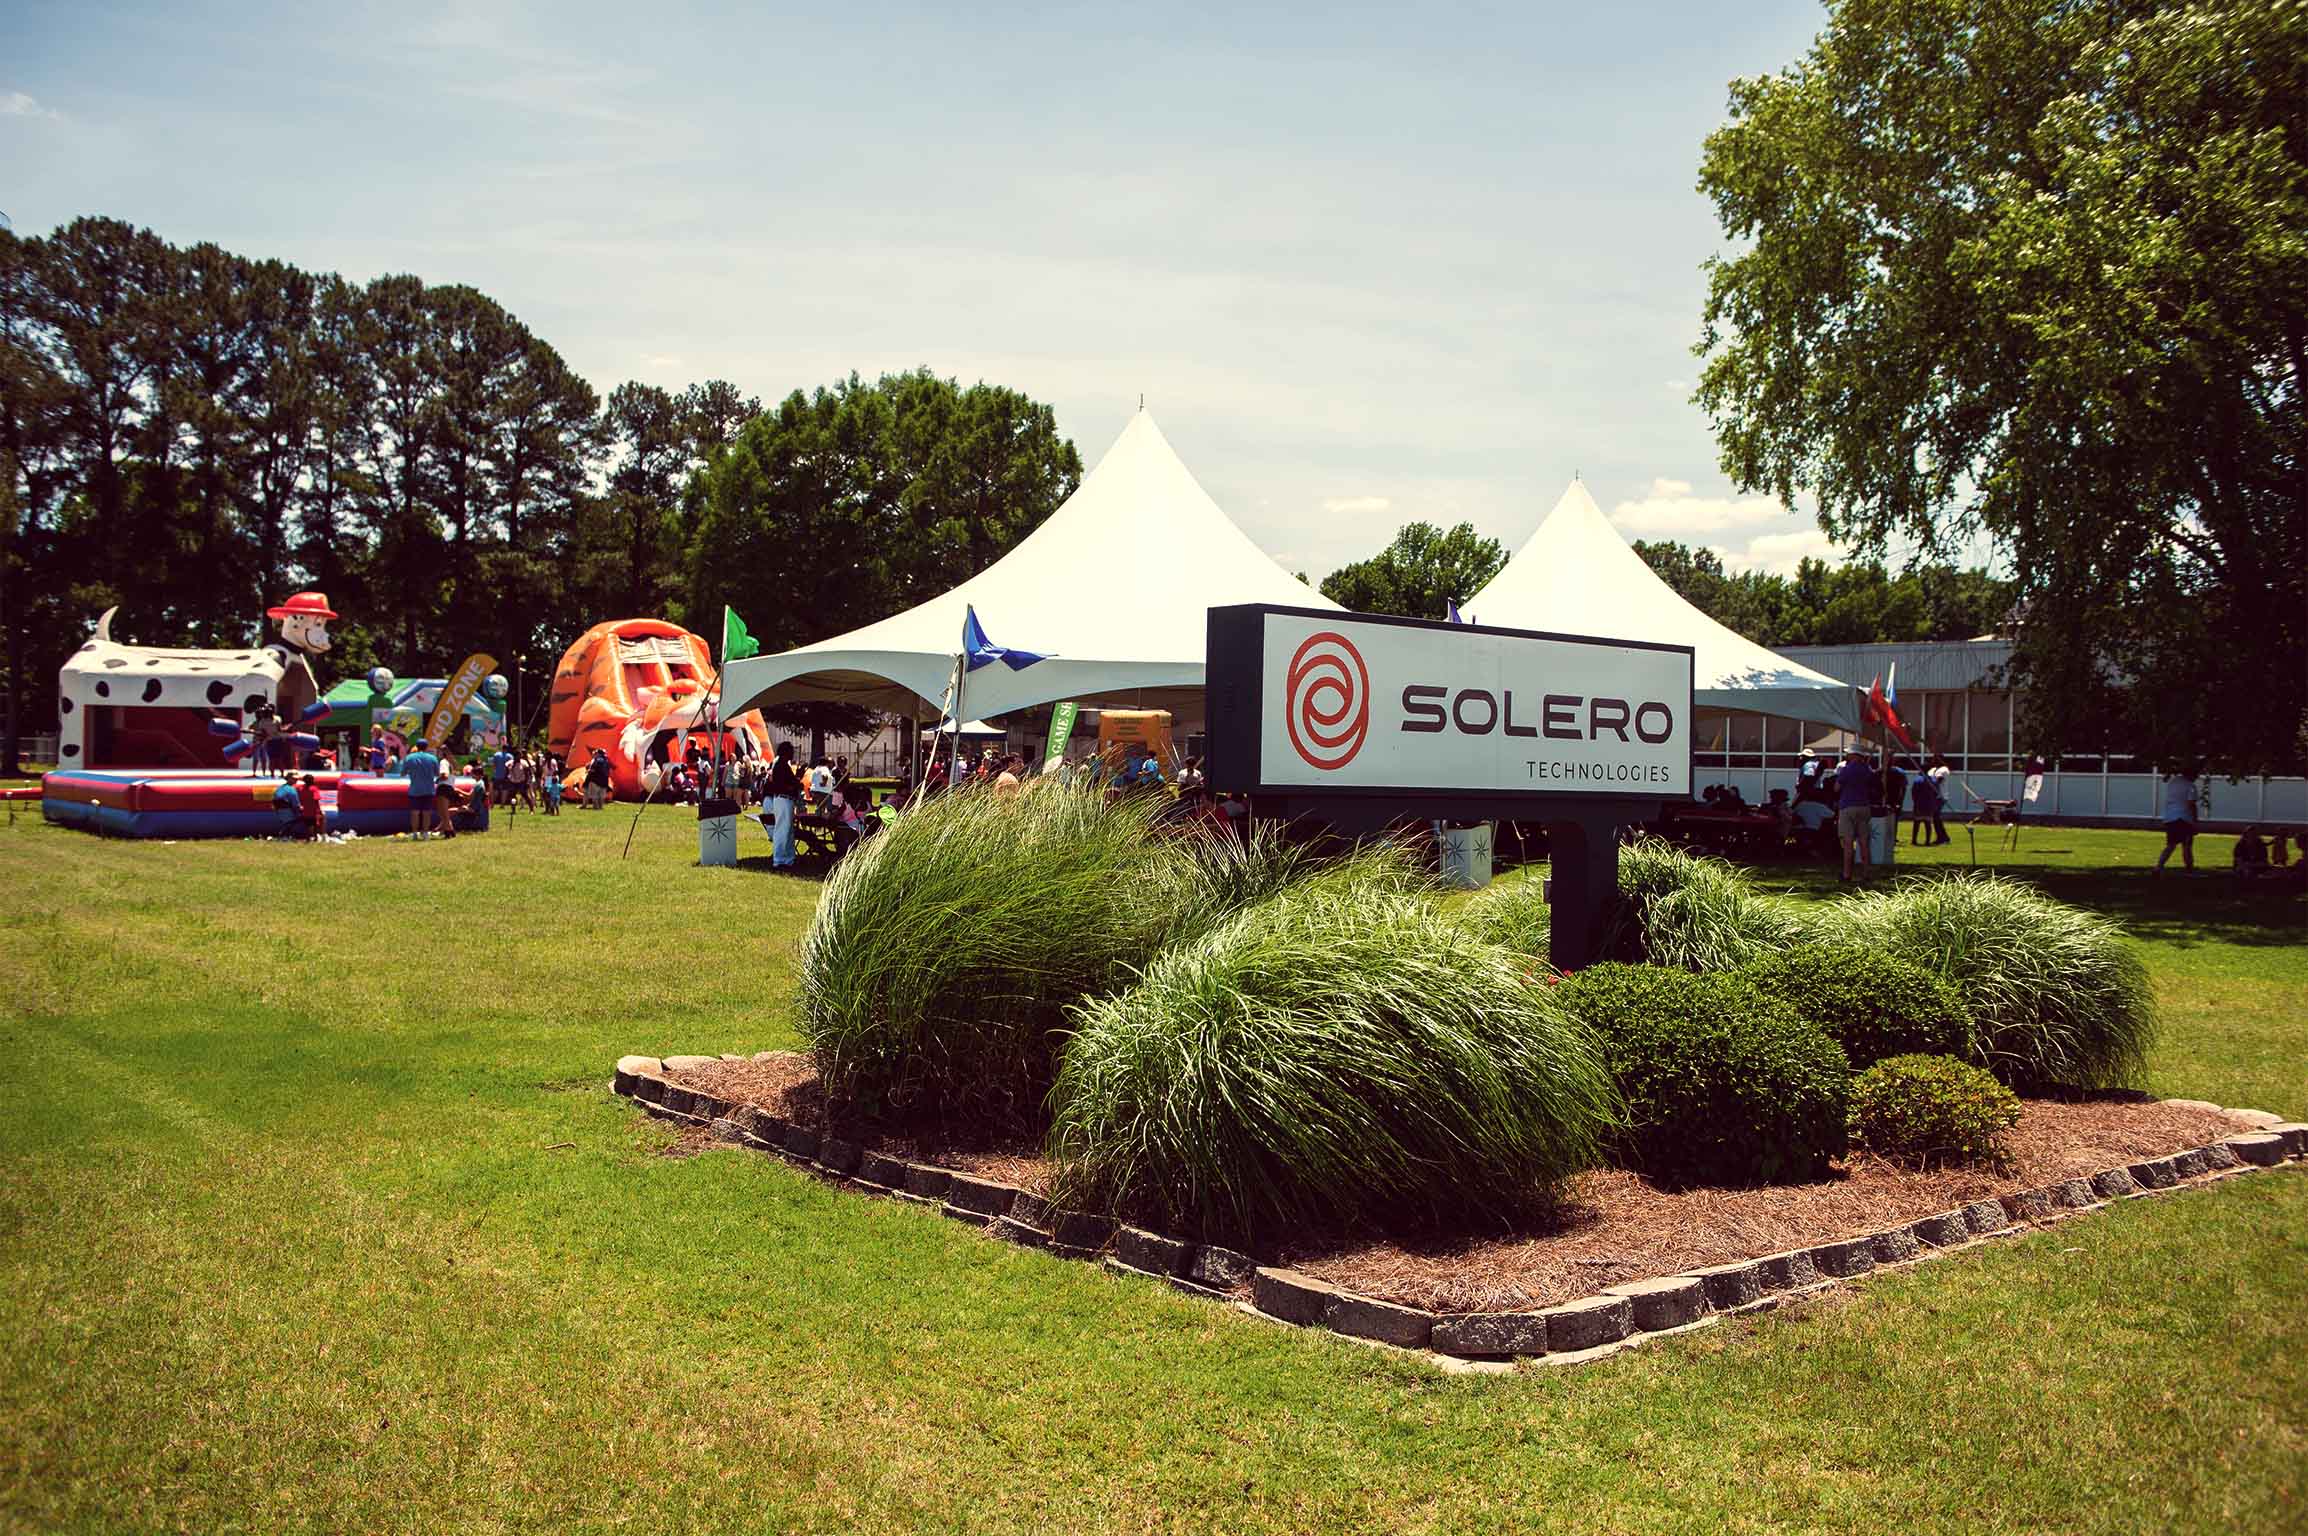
x=315, y=1214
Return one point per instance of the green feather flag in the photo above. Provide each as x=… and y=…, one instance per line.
x=737, y=641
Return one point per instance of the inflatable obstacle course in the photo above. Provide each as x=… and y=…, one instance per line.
x=629, y=685
x=193, y=804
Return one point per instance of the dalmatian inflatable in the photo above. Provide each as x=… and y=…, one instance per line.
x=128, y=706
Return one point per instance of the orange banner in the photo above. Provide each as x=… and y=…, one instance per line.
x=455, y=696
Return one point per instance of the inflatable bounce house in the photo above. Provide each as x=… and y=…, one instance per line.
x=401, y=706
x=170, y=743
x=630, y=687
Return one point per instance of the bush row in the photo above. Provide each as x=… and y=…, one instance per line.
x=1237, y=1037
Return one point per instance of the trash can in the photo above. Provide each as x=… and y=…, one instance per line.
x=717, y=832
x=1883, y=837
x=1466, y=855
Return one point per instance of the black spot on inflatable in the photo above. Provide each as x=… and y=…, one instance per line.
x=154, y=662
x=219, y=691
x=104, y=690
x=242, y=657
x=252, y=701
x=114, y=661
x=90, y=646
x=151, y=689
x=197, y=667
x=72, y=749
x=66, y=705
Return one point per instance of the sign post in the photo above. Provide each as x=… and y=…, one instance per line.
x=1360, y=721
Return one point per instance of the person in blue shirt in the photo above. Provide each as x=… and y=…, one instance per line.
x=423, y=771
x=1854, y=809
x=500, y=776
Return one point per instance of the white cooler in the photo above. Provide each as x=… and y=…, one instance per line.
x=1466, y=855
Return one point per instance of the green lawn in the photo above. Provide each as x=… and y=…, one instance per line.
x=315, y=1214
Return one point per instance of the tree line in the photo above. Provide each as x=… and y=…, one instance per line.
x=190, y=434
x=1425, y=568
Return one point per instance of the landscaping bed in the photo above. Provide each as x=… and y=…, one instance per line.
x=1612, y=1226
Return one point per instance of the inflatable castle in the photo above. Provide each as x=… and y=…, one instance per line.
x=631, y=687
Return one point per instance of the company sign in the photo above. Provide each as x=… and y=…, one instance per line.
x=1353, y=704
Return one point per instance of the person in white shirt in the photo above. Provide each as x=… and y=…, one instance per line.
x=821, y=784
x=2179, y=818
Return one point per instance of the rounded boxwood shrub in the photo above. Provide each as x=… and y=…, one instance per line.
x=1871, y=1004
x=1931, y=1110
x=1722, y=1084
x=1341, y=1053
x=2059, y=999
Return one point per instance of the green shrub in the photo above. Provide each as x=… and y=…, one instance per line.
x=946, y=948
x=1722, y=1084
x=1872, y=1004
x=1673, y=908
x=1339, y=1053
x=2058, y=998
x=1930, y=1110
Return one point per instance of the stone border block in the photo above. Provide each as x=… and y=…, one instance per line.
x=650, y=1089
x=2028, y=1205
x=2114, y=1184
x=1011, y=1230
x=2260, y=1149
x=1490, y=1335
x=1945, y=1230
x=728, y=1130
x=1222, y=1269
x=1292, y=1297
x=881, y=1170
x=928, y=1180
x=1030, y=1208
x=1588, y=1323
x=1151, y=1251
x=987, y=1197
x=801, y=1141
x=1361, y=1317
x=2154, y=1173
x=1079, y=1229
x=2073, y=1194
x=1896, y=1246
x=2217, y=1156
x=954, y=1212
x=837, y=1156
x=1985, y=1217
x=2191, y=1163
x=1671, y=1301
x=1789, y=1271
x=1730, y=1286
x=2295, y=1135
x=1844, y=1260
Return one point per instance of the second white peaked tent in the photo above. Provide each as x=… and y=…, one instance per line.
x=1112, y=589
x=1577, y=576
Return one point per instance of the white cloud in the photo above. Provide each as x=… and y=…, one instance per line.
x=17, y=104
x=1780, y=553
x=1671, y=511
x=1351, y=506
x=662, y=364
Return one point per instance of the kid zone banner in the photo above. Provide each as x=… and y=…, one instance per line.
x=1305, y=701
x=456, y=696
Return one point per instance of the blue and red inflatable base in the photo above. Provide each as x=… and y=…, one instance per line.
x=158, y=802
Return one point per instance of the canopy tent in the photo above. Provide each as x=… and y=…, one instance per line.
x=1578, y=576
x=1111, y=591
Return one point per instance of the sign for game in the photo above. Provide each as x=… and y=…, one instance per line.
x=1306, y=703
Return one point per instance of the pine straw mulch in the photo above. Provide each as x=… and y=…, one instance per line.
x=1611, y=1225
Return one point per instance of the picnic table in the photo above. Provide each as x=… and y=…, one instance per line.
x=1723, y=827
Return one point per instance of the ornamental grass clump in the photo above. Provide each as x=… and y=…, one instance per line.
x=946, y=948
x=1931, y=1111
x=1338, y=1055
x=1722, y=1084
x=2059, y=999
x=1874, y=1005
x=1673, y=908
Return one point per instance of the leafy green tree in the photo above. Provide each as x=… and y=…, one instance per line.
x=2037, y=269
x=1420, y=574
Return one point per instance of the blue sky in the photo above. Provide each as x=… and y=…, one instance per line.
x=1366, y=265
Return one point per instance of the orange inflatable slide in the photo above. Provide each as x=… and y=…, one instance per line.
x=630, y=686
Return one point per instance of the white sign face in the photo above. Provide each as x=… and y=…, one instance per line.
x=1355, y=704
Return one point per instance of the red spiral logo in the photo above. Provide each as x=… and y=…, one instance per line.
x=1327, y=700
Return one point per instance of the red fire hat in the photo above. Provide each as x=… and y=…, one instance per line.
x=310, y=604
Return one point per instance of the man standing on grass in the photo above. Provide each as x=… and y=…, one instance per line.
x=1854, y=809
x=2179, y=818
x=784, y=800
x=423, y=770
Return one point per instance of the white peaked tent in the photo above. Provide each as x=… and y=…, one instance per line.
x=1578, y=576
x=1111, y=589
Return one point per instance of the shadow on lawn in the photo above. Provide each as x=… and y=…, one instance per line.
x=2172, y=908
